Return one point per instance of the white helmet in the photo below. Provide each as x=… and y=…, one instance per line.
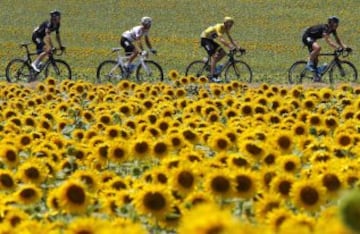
x=146, y=20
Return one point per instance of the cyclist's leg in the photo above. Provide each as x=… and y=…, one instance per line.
x=211, y=48
x=39, y=42
x=130, y=49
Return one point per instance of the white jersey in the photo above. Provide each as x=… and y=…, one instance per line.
x=135, y=33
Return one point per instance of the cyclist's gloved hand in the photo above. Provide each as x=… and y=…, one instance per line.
x=153, y=51
x=339, y=50
x=348, y=49
x=143, y=53
x=62, y=48
x=242, y=51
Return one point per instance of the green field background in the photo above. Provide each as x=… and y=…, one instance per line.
x=269, y=30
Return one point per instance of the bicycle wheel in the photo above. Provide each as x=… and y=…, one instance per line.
x=150, y=71
x=344, y=71
x=58, y=69
x=299, y=74
x=18, y=70
x=109, y=71
x=238, y=70
x=197, y=68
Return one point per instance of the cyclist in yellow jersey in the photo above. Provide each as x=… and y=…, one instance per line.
x=209, y=40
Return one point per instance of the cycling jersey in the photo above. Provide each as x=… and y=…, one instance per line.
x=135, y=33
x=39, y=32
x=213, y=32
x=317, y=31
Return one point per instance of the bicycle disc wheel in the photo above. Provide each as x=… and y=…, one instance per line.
x=197, y=68
x=150, y=71
x=109, y=71
x=299, y=74
x=18, y=71
x=58, y=69
x=238, y=70
x=343, y=72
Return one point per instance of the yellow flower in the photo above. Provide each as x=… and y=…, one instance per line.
x=73, y=197
x=32, y=171
x=308, y=194
x=28, y=194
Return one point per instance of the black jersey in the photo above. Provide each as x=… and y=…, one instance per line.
x=317, y=31
x=39, y=31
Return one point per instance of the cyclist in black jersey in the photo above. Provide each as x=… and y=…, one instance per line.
x=41, y=37
x=312, y=34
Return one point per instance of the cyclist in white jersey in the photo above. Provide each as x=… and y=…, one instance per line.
x=134, y=35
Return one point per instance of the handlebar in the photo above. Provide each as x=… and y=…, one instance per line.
x=339, y=52
x=56, y=52
x=237, y=52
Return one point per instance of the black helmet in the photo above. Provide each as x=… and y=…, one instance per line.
x=55, y=13
x=334, y=19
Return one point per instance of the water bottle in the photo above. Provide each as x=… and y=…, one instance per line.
x=322, y=68
x=218, y=68
x=132, y=67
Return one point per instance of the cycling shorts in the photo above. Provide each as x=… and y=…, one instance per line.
x=39, y=42
x=209, y=45
x=127, y=45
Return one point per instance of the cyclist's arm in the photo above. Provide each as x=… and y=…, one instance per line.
x=233, y=43
x=224, y=41
x=339, y=41
x=47, y=39
x=329, y=41
x=147, y=41
x=59, y=40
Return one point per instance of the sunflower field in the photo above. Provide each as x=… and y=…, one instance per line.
x=184, y=156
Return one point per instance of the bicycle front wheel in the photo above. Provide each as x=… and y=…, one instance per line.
x=149, y=71
x=238, y=70
x=109, y=71
x=18, y=71
x=58, y=69
x=197, y=68
x=343, y=71
x=299, y=74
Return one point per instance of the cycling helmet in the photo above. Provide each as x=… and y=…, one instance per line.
x=146, y=20
x=55, y=13
x=228, y=19
x=334, y=19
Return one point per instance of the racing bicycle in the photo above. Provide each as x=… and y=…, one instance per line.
x=20, y=70
x=233, y=69
x=339, y=70
x=116, y=70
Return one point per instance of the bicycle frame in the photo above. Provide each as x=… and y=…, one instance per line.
x=334, y=62
x=121, y=61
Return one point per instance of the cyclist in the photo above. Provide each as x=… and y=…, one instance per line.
x=134, y=35
x=41, y=37
x=209, y=40
x=312, y=34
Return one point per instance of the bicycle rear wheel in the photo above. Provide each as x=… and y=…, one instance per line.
x=299, y=74
x=238, y=70
x=18, y=71
x=109, y=71
x=150, y=72
x=344, y=71
x=197, y=68
x=58, y=69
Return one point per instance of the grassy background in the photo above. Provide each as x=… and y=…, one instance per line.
x=270, y=30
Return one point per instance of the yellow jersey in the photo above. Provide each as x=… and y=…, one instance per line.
x=214, y=31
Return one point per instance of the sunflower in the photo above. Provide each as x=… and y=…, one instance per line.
x=281, y=184
x=284, y=141
x=215, y=220
x=183, y=179
x=333, y=182
x=118, y=152
x=344, y=140
x=308, y=194
x=299, y=129
x=219, y=142
x=276, y=218
x=237, y=160
x=73, y=197
x=88, y=177
x=14, y=217
x=289, y=163
x=140, y=147
x=117, y=183
x=153, y=199
x=88, y=225
x=245, y=183
x=7, y=180
x=28, y=194
x=252, y=149
x=174, y=75
x=160, y=148
x=219, y=183
x=32, y=171
x=266, y=204
x=9, y=155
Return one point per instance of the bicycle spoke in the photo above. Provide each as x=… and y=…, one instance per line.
x=344, y=71
x=149, y=71
x=18, y=71
x=110, y=71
